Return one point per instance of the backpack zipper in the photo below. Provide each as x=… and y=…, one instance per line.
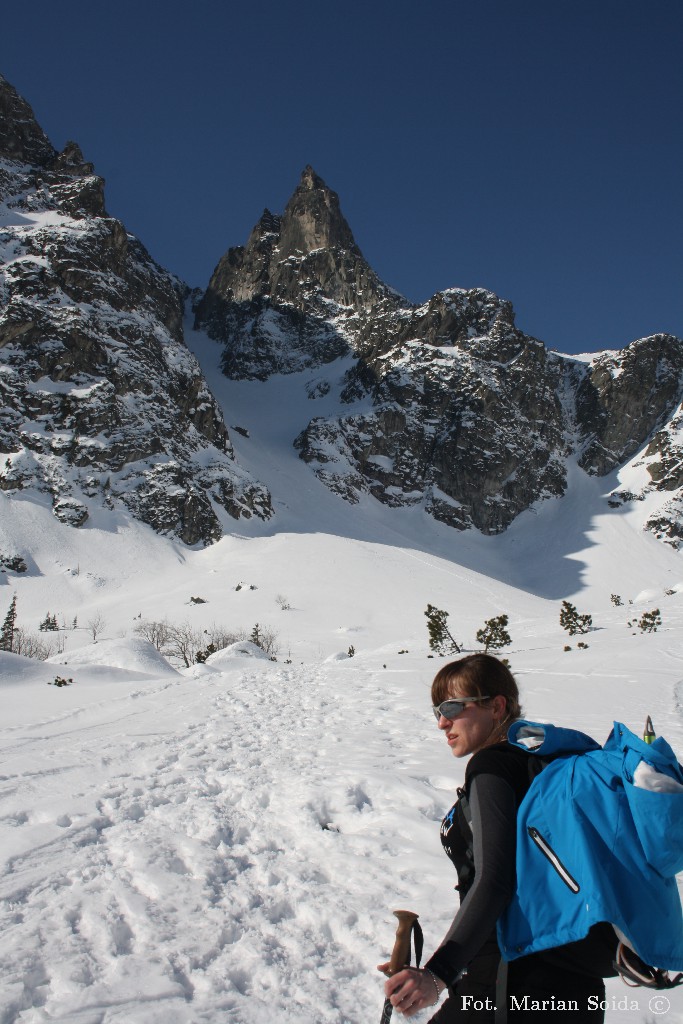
x=548, y=851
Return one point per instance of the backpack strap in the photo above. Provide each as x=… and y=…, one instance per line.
x=465, y=806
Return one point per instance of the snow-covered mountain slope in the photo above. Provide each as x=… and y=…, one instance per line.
x=102, y=404
x=447, y=405
x=226, y=843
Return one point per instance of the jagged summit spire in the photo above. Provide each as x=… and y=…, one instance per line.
x=310, y=180
x=313, y=219
x=305, y=259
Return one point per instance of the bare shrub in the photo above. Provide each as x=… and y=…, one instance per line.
x=156, y=633
x=183, y=642
x=95, y=625
x=31, y=646
x=222, y=637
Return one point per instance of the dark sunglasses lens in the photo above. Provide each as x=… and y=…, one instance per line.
x=449, y=709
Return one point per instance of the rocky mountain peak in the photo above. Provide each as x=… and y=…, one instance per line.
x=313, y=220
x=447, y=404
x=21, y=137
x=101, y=403
x=298, y=294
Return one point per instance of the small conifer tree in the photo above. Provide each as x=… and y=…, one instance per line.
x=201, y=656
x=440, y=638
x=494, y=633
x=616, y=600
x=572, y=621
x=8, y=626
x=649, y=621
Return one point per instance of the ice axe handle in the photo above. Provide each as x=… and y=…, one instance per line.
x=400, y=955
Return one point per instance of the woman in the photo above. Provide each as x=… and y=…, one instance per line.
x=475, y=699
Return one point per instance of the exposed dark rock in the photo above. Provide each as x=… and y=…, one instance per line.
x=70, y=511
x=101, y=400
x=625, y=396
x=13, y=563
x=446, y=405
x=297, y=294
x=21, y=137
x=468, y=416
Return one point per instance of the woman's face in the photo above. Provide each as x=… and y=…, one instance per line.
x=476, y=727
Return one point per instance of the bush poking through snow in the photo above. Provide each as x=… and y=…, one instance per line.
x=201, y=656
x=283, y=602
x=440, y=639
x=59, y=681
x=649, y=621
x=616, y=600
x=572, y=621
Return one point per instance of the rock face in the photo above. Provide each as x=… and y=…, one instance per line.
x=298, y=291
x=625, y=396
x=447, y=404
x=102, y=403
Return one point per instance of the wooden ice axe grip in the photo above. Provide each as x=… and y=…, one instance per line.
x=400, y=955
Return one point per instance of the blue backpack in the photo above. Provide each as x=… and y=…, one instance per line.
x=599, y=838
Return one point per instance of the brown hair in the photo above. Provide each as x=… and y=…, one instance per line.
x=477, y=675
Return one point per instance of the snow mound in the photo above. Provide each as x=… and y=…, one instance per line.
x=132, y=654
x=241, y=649
x=647, y=595
x=17, y=670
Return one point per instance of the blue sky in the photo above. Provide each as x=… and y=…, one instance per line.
x=533, y=147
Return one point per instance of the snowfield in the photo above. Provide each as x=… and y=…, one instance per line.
x=226, y=843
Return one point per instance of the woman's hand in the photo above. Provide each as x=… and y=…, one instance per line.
x=412, y=990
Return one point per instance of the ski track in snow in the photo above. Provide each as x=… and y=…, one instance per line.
x=208, y=873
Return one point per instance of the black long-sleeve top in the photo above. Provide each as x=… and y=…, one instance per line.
x=495, y=782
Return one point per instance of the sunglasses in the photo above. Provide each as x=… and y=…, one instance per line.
x=450, y=709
